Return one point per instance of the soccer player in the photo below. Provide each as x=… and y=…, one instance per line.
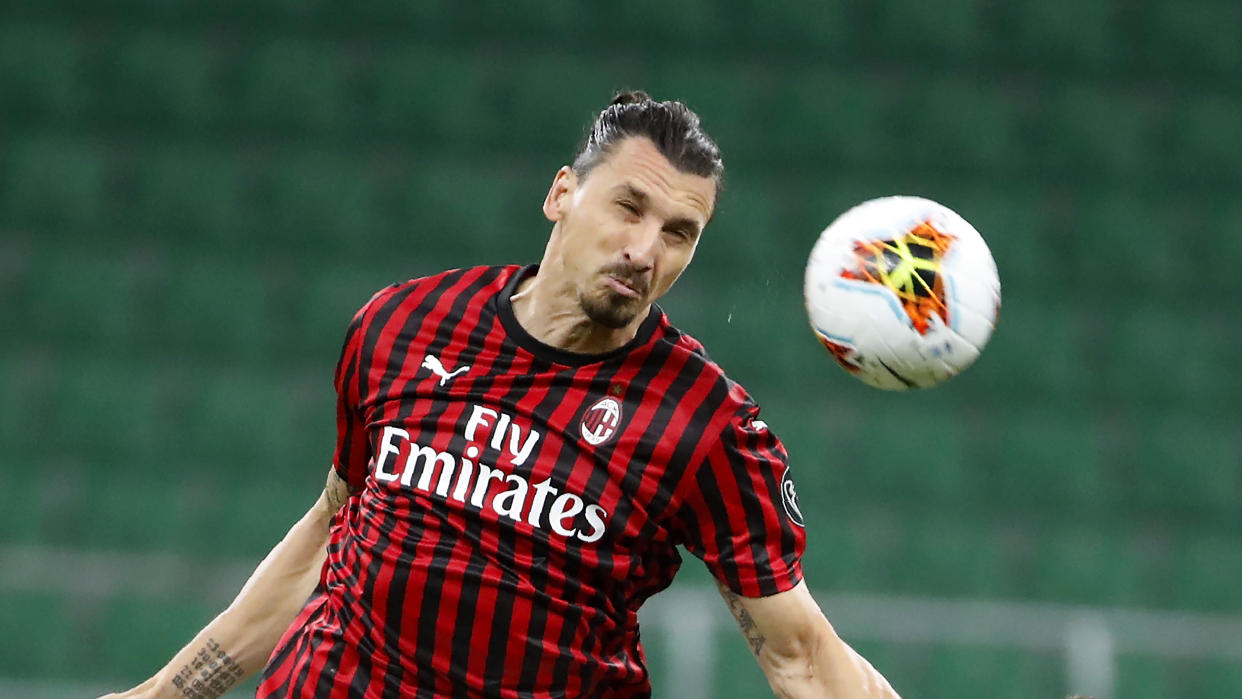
x=520, y=453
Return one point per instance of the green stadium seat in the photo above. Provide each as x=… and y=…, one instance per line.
x=1166, y=355
x=1203, y=38
x=326, y=304
x=1212, y=678
x=917, y=455
x=1059, y=33
x=238, y=419
x=84, y=298
x=1038, y=461
x=194, y=197
x=1035, y=351
x=471, y=205
x=54, y=184
x=791, y=25
x=1146, y=677
x=133, y=506
x=161, y=79
x=257, y=512
x=1206, y=573
x=922, y=32
x=1120, y=243
x=1086, y=565
x=553, y=115
x=1188, y=465
x=42, y=72
x=144, y=633
x=296, y=85
x=949, y=556
x=1087, y=132
x=49, y=615
x=214, y=308
x=113, y=409
x=432, y=97
x=952, y=125
x=320, y=202
x=831, y=117
x=1205, y=140
x=970, y=672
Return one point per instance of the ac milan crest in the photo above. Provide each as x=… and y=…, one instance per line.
x=601, y=420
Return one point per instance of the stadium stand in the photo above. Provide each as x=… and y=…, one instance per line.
x=195, y=198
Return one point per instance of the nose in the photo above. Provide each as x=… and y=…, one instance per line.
x=640, y=248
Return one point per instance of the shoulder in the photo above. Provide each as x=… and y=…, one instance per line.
x=731, y=398
x=447, y=286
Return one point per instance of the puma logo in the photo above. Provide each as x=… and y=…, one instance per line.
x=432, y=362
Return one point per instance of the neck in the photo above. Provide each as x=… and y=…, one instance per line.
x=552, y=315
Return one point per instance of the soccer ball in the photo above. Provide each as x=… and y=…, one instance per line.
x=902, y=292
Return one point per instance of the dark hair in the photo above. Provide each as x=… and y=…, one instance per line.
x=671, y=126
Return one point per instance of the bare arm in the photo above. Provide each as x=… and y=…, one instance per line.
x=237, y=643
x=800, y=652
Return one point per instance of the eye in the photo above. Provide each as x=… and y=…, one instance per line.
x=628, y=206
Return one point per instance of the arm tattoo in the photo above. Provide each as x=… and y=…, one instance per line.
x=744, y=620
x=211, y=673
x=336, y=491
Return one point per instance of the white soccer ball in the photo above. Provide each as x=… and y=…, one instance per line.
x=902, y=292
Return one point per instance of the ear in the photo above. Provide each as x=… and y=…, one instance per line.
x=560, y=194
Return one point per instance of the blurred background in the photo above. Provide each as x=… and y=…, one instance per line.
x=195, y=197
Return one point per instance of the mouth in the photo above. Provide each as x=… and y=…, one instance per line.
x=622, y=287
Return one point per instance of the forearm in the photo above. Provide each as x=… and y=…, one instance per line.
x=237, y=643
x=827, y=669
x=800, y=651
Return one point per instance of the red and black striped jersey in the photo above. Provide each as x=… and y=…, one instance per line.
x=517, y=503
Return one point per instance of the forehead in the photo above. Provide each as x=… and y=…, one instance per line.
x=638, y=163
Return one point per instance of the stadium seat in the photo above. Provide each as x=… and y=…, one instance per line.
x=1205, y=575
x=920, y=32
x=214, y=307
x=831, y=117
x=433, y=97
x=1146, y=677
x=1204, y=142
x=159, y=79
x=1085, y=565
x=154, y=630
x=84, y=298
x=48, y=612
x=956, y=126
x=790, y=25
x=1172, y=356
x=917, y=455
x=110, y=409
x=1188, y=465
x=1212, y=678
x=193, y=197
x=1060, y=33
x=953, y=556
x=42, y=75
x=133, y=506
x=257, y=511
x=320, y=202
x=1090, y=132
x=1203, y=38
x=296, y=85
x=54, y=184
x=239, y=419
x=981, y=671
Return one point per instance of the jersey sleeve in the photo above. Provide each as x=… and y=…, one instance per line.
x=739, y=512
x=352, y=456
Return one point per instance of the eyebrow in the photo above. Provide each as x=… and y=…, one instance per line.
x=688, y=224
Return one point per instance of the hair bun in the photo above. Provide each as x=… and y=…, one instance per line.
x=631, y=97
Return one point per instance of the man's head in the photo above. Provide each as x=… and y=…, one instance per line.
x=630, y=209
